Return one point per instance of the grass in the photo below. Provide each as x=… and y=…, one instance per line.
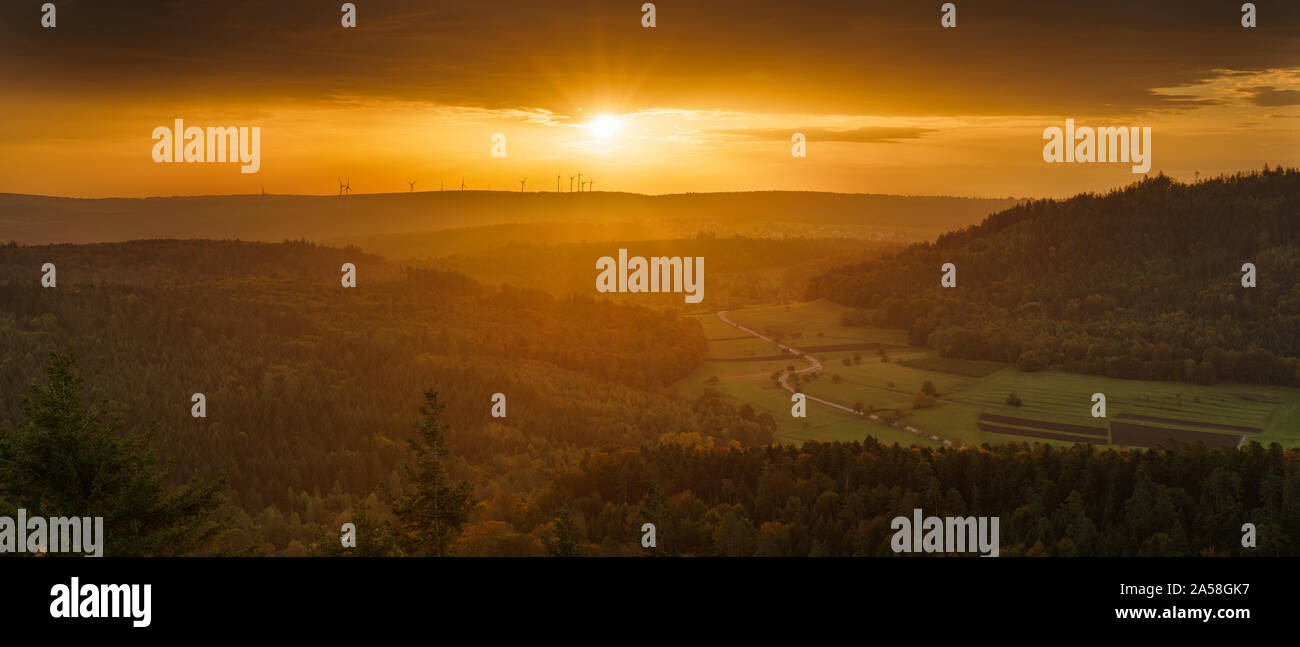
x=818, y=323
x=966, y=388
x=750, y=382
x=742, y=348
x=970, y=367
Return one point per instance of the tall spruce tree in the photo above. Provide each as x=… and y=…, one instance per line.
x=431, y=510
x=63, y=458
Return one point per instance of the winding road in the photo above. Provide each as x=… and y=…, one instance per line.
x=814, y=365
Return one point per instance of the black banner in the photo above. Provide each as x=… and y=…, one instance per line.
x=237, y=596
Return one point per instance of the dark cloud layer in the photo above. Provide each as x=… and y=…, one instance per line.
x=1022, y=57
x=1270, y=96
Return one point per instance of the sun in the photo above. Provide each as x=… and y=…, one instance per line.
x=604, y=126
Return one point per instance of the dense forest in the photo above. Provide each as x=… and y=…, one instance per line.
x=826, y=499
x=311, y=388
x=1144, y=282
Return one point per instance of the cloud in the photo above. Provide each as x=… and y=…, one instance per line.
x=1185, y=101
x=1272, y=97
x=863, y=135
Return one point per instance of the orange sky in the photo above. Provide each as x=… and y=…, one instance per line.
x=706, y=100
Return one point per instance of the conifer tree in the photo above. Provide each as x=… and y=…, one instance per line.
x=431, y=510
x=565, y=542
x=64, y=459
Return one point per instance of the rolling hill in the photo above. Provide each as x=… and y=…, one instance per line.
x=31, y=219
x=1144, y=283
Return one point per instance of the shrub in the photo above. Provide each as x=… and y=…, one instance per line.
x=922, y=400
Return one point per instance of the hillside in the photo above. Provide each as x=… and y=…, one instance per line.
x=1144, y=283
x=40, y=219
x=310, y=387
x=739, y=269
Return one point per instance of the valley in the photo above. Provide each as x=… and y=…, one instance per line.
x=741, y=369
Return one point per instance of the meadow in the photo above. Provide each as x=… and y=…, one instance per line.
x=965, y=389
x=750, y=382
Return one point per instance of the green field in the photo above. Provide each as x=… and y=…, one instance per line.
x=750, y=382
x=965, y=388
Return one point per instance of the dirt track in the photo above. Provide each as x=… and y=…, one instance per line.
x=814, y=365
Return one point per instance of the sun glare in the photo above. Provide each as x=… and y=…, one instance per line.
x=604, y=126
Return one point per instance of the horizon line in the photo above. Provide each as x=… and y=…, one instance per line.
x=8, y=194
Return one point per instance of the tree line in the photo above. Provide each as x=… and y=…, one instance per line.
x=838, y=499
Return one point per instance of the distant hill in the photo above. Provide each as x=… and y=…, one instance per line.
x=1143, y=282
x=740, y=270
x=38, y=219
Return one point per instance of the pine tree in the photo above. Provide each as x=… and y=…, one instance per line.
x=565, y=542
x=65, y=459
x=431, y=510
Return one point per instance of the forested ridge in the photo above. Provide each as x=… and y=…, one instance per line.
x=737, y=269
x=1143, y=282
x=312, y=388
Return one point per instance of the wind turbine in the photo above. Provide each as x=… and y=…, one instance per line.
x=462, y=184
x=521, y=184
x=557, y=182
x=412, y=183
x=571, y=183
x=347, y=188
x=590, y=183
x=340, y=186
x=580, y=183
